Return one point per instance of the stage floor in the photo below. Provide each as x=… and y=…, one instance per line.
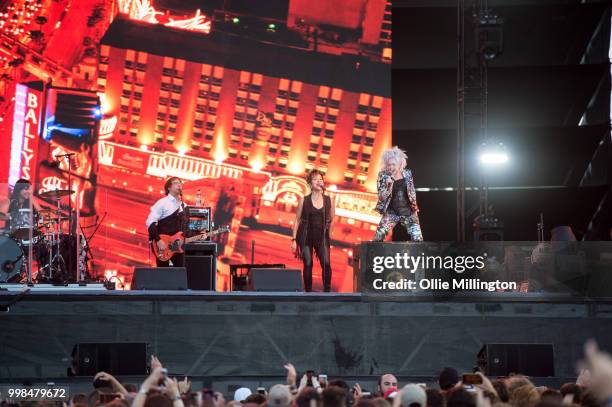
x=224, y=335
x=97, y=291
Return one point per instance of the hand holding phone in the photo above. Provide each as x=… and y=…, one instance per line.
x=471, y=379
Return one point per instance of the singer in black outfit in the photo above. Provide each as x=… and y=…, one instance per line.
x=167, y=218
x=312, y=230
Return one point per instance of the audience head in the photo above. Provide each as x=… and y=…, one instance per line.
x=589, y=399
x=340, y=383
x=279, y=396
x=385, y=382
x=103, y=386
x=118, y=402
x=334, y=396
x=548, y=403
x=551, y=396
x=157, y=400
x=93, y=398
x=448, y=378
x=241, y=394
x=460, y=397
x=572, y=388
x=364, y=402
x=78, y=398
x=502, y=390
x=524, y=396
x=306, y=397
x=380, y=402
x=435, y=398
x=411, y=395
x=256, y=398
x=517, y=381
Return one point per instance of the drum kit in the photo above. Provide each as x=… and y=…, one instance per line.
x=43, y=236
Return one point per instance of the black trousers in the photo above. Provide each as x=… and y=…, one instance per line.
x=322, y=253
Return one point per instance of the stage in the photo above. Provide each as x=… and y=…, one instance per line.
x=245, y=337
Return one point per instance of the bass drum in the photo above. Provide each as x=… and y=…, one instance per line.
x=11, y=260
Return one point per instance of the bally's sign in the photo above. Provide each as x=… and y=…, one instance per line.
x=24, y=144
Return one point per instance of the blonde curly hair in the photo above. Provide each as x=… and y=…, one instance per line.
x=394, y=154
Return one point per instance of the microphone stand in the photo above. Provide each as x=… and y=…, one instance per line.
x=68, y=156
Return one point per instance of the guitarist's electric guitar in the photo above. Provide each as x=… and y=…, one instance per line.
x=176, y=242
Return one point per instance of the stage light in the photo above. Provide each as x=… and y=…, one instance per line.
x=144, y=147
x=489, y=35
x=98, y=112
x=236, y=20
x=493, y=153
x=271, y=27
x=494, y=158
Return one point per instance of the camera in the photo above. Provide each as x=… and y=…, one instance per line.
x=164, y=376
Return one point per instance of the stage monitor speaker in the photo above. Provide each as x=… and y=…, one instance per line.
x=530, y=359
x=275, y=279
x=201, y=264
x=159, y=278
x=115, y=358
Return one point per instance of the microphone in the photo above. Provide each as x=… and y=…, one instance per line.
x=182, y=201
x=58, y=156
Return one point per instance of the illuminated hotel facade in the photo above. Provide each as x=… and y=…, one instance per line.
x=199, y=95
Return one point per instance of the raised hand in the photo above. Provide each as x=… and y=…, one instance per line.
x=291, y=373
x=184, y=386
x=155, y=363
x=600, y=365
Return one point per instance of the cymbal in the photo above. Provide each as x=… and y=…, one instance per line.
x=57, y=193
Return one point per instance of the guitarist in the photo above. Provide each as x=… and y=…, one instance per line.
x=167, y=217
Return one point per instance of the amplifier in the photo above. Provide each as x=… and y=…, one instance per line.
x=504, y=359
x=201, y=265
x=198, y=218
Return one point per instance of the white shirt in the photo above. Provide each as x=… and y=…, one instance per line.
x=163, y=208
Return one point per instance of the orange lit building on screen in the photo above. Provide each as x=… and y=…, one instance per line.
x=208, y=110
